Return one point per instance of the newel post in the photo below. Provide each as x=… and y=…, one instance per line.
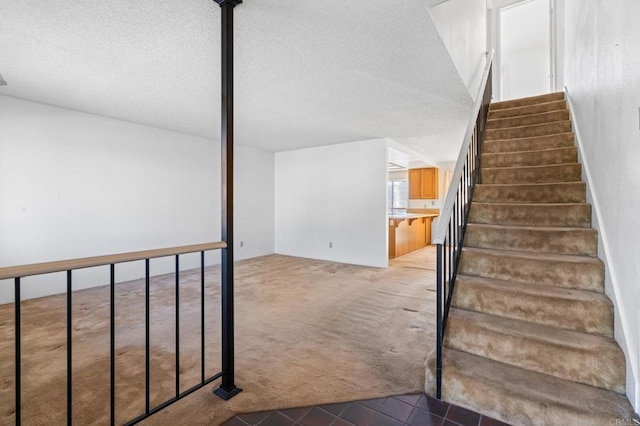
x=227, y=388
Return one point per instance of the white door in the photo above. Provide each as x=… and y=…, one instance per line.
x=524, y=49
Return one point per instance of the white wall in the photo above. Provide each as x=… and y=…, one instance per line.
x=462, y=25
x=603, y=78
x=254, y=202
x=558, y=47
x=398, y=175
x=336, y=194
x=77, y=185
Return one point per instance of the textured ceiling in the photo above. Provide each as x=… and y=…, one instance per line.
x=308, y=72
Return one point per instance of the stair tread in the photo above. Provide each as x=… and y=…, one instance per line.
x=535, y=228
x=532, y=130
x=591, y=359
x=561, y=104
x=559, y=270
x=525, y=386
x=532, y=184
x=539, y=114
x=545, y=173
x=535, y=289
x=529, y=105
x=565, y=134
x=571, y=309
x=529, y=100
x=530, y=151
x=530, y=213
x=549, y=192
x=531, y=204
x=531, y=125
x=555, y=336
x=546, y=238
x=537, y=256
x=540, y=166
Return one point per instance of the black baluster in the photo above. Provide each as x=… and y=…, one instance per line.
x=69, y=352
x=147, y=336
x=202, y=317
x=18, y=349
x=177, y=326
x=112, y=343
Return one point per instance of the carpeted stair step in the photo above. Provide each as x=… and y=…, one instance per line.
x=527, y=120
x=561, y=140
x=584, y=358
x=532, y=100
x=524, y=397
x=528, y=131
x=577, y=272
x=540, y=214
x=561, y=192
x=575, y=241
x=530, y=158
x=528, y=109
x=577, y=310
x=533, y=174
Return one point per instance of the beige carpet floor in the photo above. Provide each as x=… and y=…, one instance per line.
x=307, y=332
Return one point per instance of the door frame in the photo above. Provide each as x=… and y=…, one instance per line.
x=556, y=39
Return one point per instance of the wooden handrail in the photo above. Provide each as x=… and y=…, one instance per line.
x=88, y=262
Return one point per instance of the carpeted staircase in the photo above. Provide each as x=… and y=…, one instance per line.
x=529, y=334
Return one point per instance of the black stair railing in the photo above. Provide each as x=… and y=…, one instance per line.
x=17, y=273
x=227, y=388
x=452, y=223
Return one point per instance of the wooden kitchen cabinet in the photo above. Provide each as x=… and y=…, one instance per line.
x=429, y=189
x=407, y=234
x=415, y=184
x=427, y=231
x=423, y=183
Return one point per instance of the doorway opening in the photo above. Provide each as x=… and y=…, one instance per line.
x=525, y=40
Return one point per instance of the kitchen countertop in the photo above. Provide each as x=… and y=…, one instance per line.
x=401, y=216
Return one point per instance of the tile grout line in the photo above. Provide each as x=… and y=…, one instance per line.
x=446, y=413
x=241, y=421
x=296, y=421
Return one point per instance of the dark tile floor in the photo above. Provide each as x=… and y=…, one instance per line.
x=412, y=410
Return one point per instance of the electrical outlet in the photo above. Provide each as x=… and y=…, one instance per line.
x=433, y=203
x=330, y=245
x=241, y=243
